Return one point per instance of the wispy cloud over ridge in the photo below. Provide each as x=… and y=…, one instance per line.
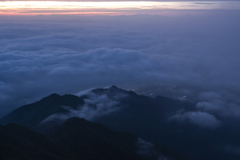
x=95, y=106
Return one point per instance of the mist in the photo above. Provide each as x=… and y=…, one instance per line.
x=192, y=57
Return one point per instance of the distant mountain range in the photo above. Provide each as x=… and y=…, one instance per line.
x=140, y=127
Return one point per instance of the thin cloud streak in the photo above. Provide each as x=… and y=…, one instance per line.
x=110, y=7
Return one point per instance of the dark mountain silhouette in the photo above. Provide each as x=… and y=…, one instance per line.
x=20, y=143
x=126, y=111
x=75, y=139
x=31, y=115
x=94, y=141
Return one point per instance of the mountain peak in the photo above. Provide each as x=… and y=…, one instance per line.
x=54, y=95
x=114, y=87
x=110, y=90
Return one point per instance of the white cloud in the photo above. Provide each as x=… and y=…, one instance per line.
x=94, y=106
x=145, y=148
x=206, y=106
x=201, y=119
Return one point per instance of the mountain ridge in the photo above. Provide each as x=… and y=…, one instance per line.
x=54, y=103
x=179, y=128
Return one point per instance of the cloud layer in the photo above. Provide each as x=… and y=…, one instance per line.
x=195, y=57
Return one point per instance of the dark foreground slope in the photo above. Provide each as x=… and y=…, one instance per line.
x=18, y=142
x=93, y=141
x=76, y=139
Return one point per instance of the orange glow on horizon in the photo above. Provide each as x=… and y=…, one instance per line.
x=106, y=8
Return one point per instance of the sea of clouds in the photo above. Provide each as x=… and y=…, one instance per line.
x=191, y=57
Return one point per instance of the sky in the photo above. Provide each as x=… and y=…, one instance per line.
x=109, y=7
x=185, y=50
